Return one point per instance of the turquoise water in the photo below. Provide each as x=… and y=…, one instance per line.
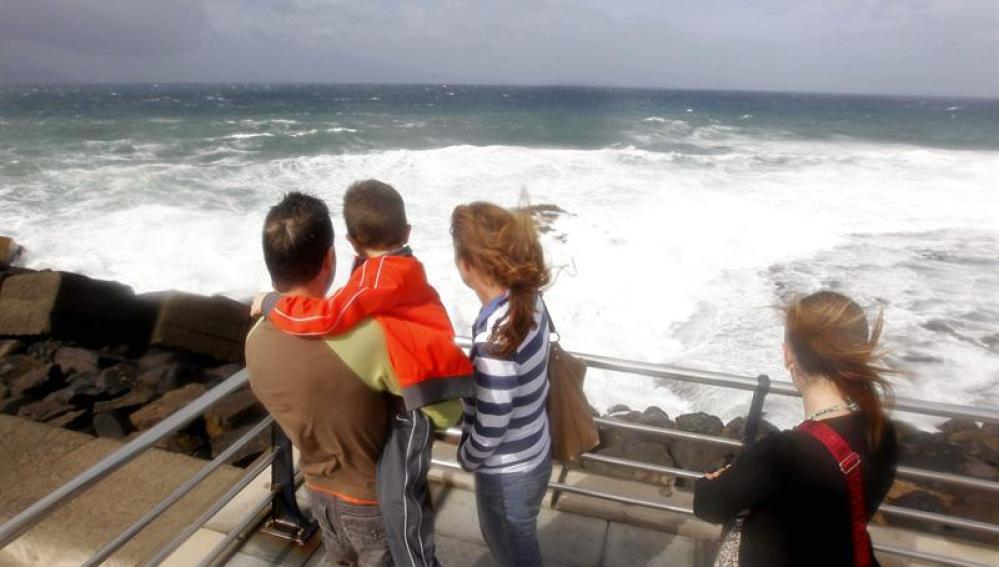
x=690, y=214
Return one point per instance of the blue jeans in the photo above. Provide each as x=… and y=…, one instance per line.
x=508, y=506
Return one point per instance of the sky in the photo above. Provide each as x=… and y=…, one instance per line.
x=925, y=47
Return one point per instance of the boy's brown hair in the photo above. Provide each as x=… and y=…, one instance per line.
x=375, y=215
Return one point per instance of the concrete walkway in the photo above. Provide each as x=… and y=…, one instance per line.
x=35, y=459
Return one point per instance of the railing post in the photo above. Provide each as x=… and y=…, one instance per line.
x=287, y=520
x=756, y=410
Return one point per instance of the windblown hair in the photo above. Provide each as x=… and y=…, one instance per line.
x=297, y=234
x=375, y=215
x=504, y=246
x=829, y=336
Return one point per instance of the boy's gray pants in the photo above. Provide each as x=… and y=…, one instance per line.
x=403, y=492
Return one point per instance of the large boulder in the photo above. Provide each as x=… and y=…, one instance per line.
x=39, y=382
x=696, y=455
x=72, y=307
x=736, y=429
x=212, y=326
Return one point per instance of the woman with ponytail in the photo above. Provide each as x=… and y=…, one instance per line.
x=506, y=442
x=809, y=492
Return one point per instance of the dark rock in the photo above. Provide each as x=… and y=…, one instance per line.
x=166, y=405
x=10, y=346
x=11, y=405
x=155, y=358
x=700, y=422
x=655, y=417
x=212, y=326
x=696, y=455
x=736, y=429
x=117, y=377
x=217, y=375
x=15, y=366
x=78, y=420
x=256, y=446
x=235, y=410
x=44, y=410
x=131, y=401
x=618, y=408
x=918, y=500
x=182, y=443
x=69, y=306
x=112, y=425
x=931, y=451
x=957, y=425
x=73, y=359
x=39, y=382
x=166, y=377
x=656, y=453
x=4, y=391
x=44, y=350
x=979, y=468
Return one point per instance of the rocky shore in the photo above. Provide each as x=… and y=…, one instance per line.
x=93, y=356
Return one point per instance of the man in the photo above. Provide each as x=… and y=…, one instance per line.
x=334, y=418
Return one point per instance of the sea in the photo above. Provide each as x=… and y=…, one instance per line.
x=690, y=217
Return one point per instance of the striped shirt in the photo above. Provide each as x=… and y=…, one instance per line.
x=506, y=424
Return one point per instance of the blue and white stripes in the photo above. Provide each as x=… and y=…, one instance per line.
x=506, y=424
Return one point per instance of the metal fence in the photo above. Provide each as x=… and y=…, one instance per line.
x=287, y=520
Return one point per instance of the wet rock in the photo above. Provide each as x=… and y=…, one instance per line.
x=10, y=346
x=617, y=409
x=655, y=453
x=39, y=382
x=695, y=455
x=69, y=306
x=44, y=410
x=655, y=417
x=931, y=451
x=736, y=429
x=170, y=402
x=957, y=425
x=212, y=326
x=918, y=500
x=235, y=410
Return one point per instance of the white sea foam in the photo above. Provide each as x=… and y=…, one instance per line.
x=671, y=254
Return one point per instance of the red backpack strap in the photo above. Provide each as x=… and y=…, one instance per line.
x=849, y=463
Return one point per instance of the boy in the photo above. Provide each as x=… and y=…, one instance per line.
x=426, y=375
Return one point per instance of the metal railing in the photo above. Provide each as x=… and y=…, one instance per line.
x=287, y=520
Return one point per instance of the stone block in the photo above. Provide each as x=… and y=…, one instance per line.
x=10, y=251
x=38, y=382
x=166, y=377
x=44, y=410
x=212, y=326
x=73, y=359
x=10, y=346
x=16, y=365
x=163, y=407
x=72, y=307
x=112, y=425
x=237, y=409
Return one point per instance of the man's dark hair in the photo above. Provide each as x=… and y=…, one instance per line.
x=298, y=232
x=375, y=215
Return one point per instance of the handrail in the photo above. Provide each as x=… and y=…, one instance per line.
x=52, y=501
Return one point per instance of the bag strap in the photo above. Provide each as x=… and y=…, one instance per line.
x=548, y=314
x=849, y=464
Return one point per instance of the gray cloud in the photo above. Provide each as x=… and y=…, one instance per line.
x=877, y=46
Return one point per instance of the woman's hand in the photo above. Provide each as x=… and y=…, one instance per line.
x=717, y=473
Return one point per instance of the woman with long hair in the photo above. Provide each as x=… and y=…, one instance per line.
x=506, y=441
x=806, y=495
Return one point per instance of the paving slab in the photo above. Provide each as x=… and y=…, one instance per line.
x=86, y=523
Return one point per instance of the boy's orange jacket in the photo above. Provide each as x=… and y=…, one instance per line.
x=393, y=289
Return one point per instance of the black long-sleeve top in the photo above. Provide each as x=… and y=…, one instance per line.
x=797, y=495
